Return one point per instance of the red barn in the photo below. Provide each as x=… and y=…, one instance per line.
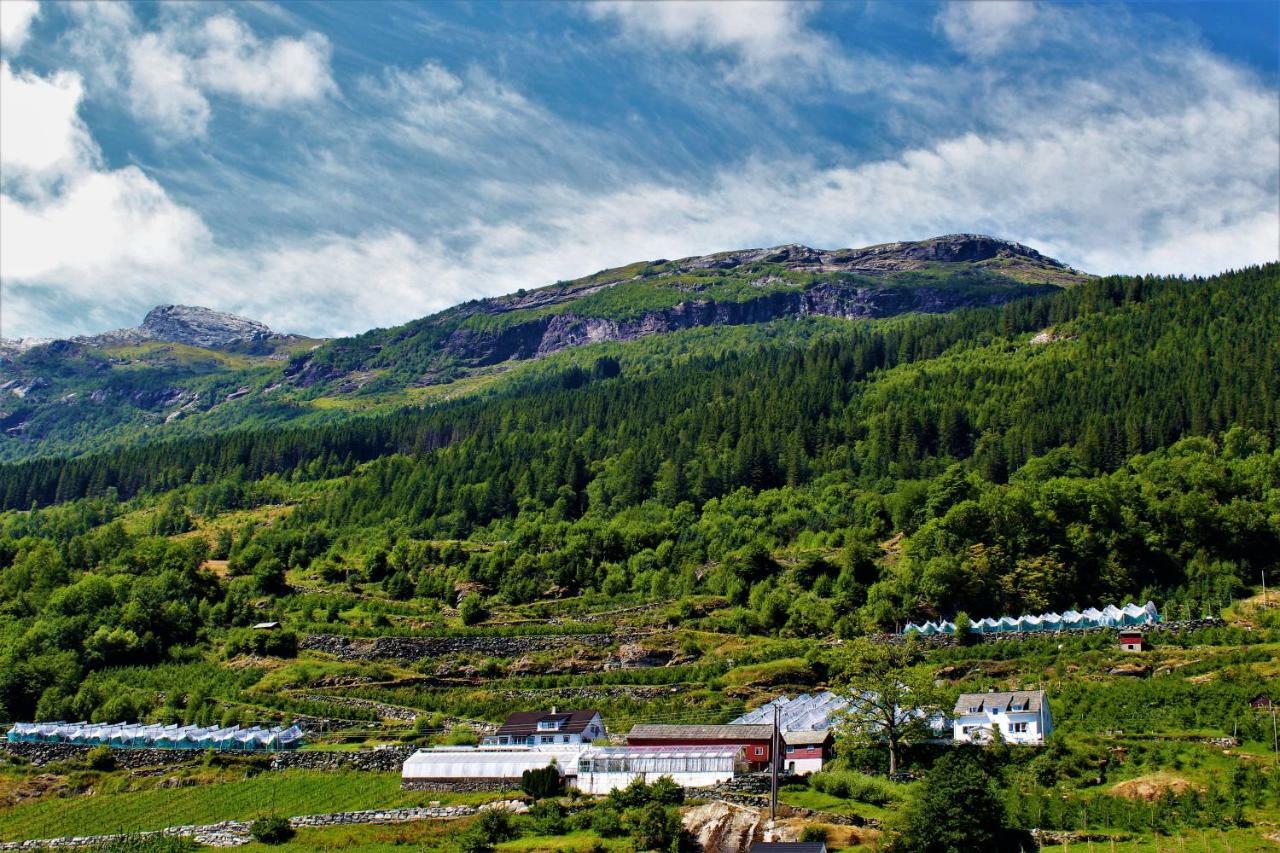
x=755, y=740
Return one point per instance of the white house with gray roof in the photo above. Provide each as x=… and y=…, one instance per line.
x=1021, y=717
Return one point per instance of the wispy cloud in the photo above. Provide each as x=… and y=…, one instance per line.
x=423, y=185
x=983, y=28
x=15, y=23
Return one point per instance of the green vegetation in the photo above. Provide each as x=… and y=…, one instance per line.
x=744, y=510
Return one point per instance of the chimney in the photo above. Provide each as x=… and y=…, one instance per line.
x=553, y=709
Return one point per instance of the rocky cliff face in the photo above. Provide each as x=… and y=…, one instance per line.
x=201, y=327
x=547, y=334
x=190, y=325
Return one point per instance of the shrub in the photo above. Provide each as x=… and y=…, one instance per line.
x=100, y=758
x=849, y=785
x=271, y=830
x=813, y=832
x=606, y=822
x=541, y=782
x=547, y=817
x=494, y=825
x=472, y=610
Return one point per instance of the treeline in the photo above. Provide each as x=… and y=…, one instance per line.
x=1141, y=362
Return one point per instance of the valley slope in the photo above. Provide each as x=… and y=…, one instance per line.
x=188, y=371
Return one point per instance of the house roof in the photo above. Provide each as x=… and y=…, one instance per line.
x=523, y=723
x=808, y=736
x=730, y=732
x=1030, y=700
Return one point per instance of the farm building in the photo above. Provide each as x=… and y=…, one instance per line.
x=139, y=736
x=1108, y=617
x=1019, y=717
x=806, y=750
x=548, y=728
x=755, y=740
x=805, y=723
x=605, y=769
x=502, y=764
x=1131, y=641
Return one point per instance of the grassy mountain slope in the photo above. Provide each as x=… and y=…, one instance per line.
x=73, y=397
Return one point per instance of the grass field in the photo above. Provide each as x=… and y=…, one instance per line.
x=290, y=793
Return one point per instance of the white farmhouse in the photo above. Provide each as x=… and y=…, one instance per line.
x=1020, y=717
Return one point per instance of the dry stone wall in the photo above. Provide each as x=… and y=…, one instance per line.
x=40, y=754
x=418, y=648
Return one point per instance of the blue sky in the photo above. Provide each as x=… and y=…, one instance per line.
x=332, y=167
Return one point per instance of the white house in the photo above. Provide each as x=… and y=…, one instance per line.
x=1020, y=717
x=548, y=728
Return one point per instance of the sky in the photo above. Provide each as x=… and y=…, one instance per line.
x=332, y=167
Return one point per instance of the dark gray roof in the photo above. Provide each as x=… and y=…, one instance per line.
x=1030, y=700
x=737, y=732
x=523, y=723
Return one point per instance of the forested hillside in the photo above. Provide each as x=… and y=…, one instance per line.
x=191, y=371
x=1113, y=440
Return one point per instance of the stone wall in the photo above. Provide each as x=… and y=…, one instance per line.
x=384, y=759
x=417, y=648
x=233, y=833
x=461, y=786
x=40, y=754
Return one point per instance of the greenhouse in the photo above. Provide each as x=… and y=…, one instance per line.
x=468, y=762
x=1108, y=617
x=140, y=736
x=803, y=713
x=605, y=769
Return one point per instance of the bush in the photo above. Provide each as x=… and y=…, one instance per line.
x=248, y=641
x=472, y=610
x=849, y=785
x=814, y=832
x=101, y=758
x=547, y=817
x=271, y=830
x=493, y=826
x=606, y=822
x=541, y=782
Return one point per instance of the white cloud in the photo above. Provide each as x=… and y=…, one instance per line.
x=169, y=73
x=162, y=87
x=982, y=28
x=62, y=216
x=234, y=61
x=768, y=41
x=15, y=22
x=40, y=131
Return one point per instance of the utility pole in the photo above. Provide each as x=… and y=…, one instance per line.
x=1265, y=601
x=773, y=765
x=1275, y=738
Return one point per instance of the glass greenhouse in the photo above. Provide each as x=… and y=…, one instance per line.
x=140, y=736
x=1108, y=617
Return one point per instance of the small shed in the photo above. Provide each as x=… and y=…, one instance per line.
x=266, y=626
x=1130, y=640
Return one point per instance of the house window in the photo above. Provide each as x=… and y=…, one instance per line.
x=968, y=729
x=791, y=748
x=1018, y=728
x=759, y=750
x=548, y=738
x=548, y=725
x=975, y=709
x=564, y=739
x=504, y=740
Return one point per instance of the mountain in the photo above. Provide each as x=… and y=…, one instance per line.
x=186, y=370
x=729, y=288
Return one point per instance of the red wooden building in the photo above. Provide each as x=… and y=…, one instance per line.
x=755, y=740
